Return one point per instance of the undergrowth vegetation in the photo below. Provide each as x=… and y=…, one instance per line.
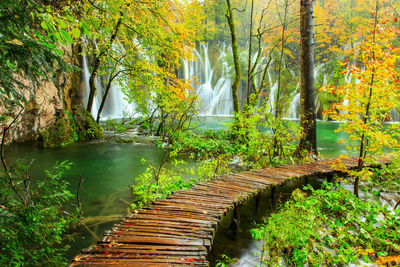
x=332, y=226
x=35, y=216
x=255, y=136
x=159, y=182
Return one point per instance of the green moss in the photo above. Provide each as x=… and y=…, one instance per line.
x=69, y=128
x=61, y=133
x=87, y=128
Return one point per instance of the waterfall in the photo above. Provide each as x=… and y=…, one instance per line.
x=212, y=80
x=394, y=114
x=272, y=93
x=215, y=99
x=115, y=106
x=86, y=88
x=294, y=108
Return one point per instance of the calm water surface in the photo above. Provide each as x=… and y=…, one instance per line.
x=108, y=170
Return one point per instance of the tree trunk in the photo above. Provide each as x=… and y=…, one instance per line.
x=235, y=85
x=278, y=110
x=249, y=71
x=103, y=100
x=92, y=84
x=307, y=90
x=96, y=66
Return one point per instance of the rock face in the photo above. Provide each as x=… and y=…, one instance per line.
x=40, y=112
x=49, y=104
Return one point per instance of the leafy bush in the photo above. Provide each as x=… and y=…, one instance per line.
x=33, y=217
x=203, y=145
x=329, y=227
x=160, y=182
x=255, y=136
x=115, y=126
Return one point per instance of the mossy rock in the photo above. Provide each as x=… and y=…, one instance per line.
x=61, y=133
x=86, y=126
x=69, y=128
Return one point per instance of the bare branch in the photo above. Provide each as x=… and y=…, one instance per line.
x=2, y=157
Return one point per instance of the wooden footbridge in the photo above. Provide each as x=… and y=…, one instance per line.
x=179, y=230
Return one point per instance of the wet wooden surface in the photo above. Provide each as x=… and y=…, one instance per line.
x=179, y=230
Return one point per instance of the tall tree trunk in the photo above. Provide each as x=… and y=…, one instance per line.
x=235, y=85
x=283, y=41
x=103, y=100
x=249, y=71
x=307, y=90
x=96, y=66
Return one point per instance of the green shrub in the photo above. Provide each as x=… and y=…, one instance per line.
x=160, y=182
x=256, y=137
x=329, y=227
x=34, y=217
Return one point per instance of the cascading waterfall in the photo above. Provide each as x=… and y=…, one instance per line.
x=294, y=107
x=86, y=88
x=273, y=90
x=115, y=105
x=214, y=92
x=215, y=99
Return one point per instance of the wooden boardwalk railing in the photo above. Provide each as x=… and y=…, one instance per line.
x=179, y=230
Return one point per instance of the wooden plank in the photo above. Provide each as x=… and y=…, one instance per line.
x=163, y=241
x=237, y=178
x=178, y=225
x=183, y=214
x=205, y=204
x=229, y=189
x=262, y=176
x=161, y=228
x=133, y=247
x=89, y=261
x=206, y=194
x=229, y=185
x=159, y=233
x=171, y=219
x=187, y=206
x=270, y=173
x=290, y=169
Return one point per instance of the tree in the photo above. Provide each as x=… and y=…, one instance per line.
x=29, y=52
x=249, y=69
x=235, y=84
x=307, y=91
x=33, y=220
x=138, y=45
x=284, y=25
x=374, y=91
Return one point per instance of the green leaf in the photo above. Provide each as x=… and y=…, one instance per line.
x=85, y=29
x=62, y=24
x=58, y=52
x=44, y=25
x=76, y=32
x=66, y=36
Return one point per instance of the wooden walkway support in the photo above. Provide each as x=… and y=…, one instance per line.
x=179, y=230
